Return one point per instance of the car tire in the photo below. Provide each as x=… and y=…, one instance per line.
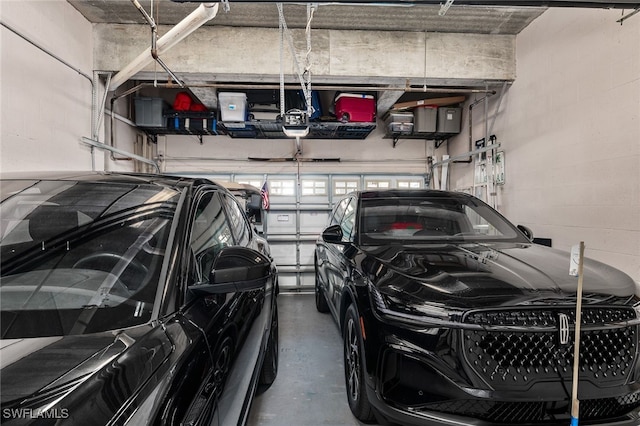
x=321, y=300
x=353, y=368
x=270, y=363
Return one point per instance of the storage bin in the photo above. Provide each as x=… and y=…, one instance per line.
x=149, y=112
x=400, y=128
x=233, y=106
x=355, y=107
x=399, y=122
x=449, y=120
x=425, y=119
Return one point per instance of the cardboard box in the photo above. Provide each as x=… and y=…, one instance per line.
x=452, y=100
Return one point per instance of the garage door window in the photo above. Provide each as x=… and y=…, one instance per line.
x=282, y=187
x=314, y=187
x=409, y=184
x=343, y=187
x=378, y=184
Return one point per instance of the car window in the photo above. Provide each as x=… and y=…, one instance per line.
x=338, y=212
x=239, y=226
x=210, y=232
x=348, y=221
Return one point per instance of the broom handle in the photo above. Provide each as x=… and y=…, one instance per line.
x=575, y=404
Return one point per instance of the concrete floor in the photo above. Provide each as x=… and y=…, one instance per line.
x=309, y=389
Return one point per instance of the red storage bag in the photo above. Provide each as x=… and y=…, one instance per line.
x=182, y=102
x=197, y=106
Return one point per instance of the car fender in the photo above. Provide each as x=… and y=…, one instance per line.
x=357, y=295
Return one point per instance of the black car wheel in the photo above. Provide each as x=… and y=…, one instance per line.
x=270, y=363
x=223, y=361
x=353, y=368
x=321, y=300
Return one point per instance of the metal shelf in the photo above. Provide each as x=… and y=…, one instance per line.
x=205, y=123
x=268, y=129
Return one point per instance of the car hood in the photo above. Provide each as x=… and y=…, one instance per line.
x=471, y=275
x=70, y=370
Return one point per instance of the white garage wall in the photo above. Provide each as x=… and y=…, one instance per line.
x=570, y=130
x=375, y=154
x=46, y=106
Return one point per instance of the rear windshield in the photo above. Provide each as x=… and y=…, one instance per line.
x=80, y=257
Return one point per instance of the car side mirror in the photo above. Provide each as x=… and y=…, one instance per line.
x=236, y=269
x=333, y=234
x=255, y=202
x=526, y=231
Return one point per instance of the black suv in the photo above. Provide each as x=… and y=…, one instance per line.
x=451, y=316
x=131, y=299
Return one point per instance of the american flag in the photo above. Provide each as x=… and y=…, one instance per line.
x=264, y=193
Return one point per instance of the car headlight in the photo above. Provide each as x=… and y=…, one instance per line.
x=636, y=308
x=422, y=316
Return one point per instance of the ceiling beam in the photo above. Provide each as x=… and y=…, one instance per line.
x=601, y=4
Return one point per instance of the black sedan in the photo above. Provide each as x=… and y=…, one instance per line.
x=450, y=315
x=130, y=300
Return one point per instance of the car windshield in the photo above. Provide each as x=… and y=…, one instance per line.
x=80, y=257
x=428, y=219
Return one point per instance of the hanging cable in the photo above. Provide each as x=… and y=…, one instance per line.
x=311, y=8
x=289, y=37
x=281, y=28
x=424, y=87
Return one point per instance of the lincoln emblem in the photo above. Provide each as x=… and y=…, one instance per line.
x=563, y=329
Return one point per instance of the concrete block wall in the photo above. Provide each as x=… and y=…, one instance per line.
x=570, y=130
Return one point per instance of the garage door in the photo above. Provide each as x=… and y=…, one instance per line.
x=299, y=210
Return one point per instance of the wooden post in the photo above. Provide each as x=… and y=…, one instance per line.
x=575, y=403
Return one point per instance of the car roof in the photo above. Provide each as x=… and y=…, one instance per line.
x=236, y=186
x=105, y=177
x=410, y=193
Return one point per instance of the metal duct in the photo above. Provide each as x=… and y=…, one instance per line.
x=197, y=18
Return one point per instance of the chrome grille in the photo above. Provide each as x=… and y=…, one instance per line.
x=511, y=357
